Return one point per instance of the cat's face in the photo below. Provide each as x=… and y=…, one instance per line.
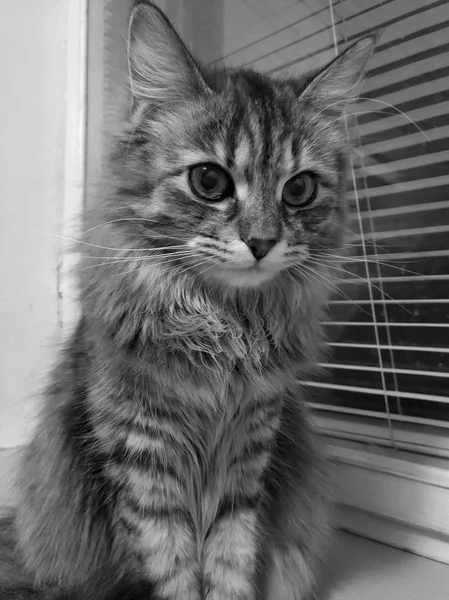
x=249, y=179
x=235, y=177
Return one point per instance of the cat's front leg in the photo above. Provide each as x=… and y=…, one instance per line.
x=156, y=523
x=166, y=549
x=229, y=556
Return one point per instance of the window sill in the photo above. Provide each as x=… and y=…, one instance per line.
x=393, y=497
x=364, y=570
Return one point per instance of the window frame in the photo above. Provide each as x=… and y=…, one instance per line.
x=411, y=513
x=75, y=159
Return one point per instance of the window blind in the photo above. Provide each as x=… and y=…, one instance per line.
x=388, y=321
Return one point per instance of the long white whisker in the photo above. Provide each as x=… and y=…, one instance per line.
x=147, y=219
x=333, y=287
x=398, y=110
x=161, y=260
x=353, y=259
x=70, y=239
x=331, y=283
x=358, y=98
x=150, y=250
x=186, y=263
x=355, y=114
x=364, y=280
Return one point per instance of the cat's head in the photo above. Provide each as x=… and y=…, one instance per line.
x=234, y=176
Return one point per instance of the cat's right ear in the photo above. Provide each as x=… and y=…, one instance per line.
x=161, y=68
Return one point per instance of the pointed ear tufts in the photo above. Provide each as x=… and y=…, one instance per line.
x=340, y=80
x=161, y=68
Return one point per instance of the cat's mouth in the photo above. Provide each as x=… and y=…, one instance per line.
x=237, y=276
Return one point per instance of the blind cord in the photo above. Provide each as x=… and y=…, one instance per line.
x=370, y=291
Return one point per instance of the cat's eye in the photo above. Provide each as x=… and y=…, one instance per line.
x=210, y=182
x=300, y=190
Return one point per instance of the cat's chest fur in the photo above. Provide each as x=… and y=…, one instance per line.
x=202, y=458
x=236, y=447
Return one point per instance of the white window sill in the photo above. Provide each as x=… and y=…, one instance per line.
x=364, y=570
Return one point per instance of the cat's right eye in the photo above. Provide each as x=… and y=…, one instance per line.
x=210, y=182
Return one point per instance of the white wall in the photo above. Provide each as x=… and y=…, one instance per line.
x=33, y=43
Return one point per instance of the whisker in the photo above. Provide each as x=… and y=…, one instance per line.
x=332, y=283
x=162, y=263
x=158, y=250
x=161, y=260
x=300, y=271
x=359, y=98
x=70, y=239
x=148, y=219
x=366, y=281
x=356, y=114
x=353, y=259
x=214, y=264
x=333, y=288
x=398, y=110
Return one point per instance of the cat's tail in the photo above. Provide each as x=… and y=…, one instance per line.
x=14, y=583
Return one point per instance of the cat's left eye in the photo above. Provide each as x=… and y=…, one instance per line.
x=300, y=190
x=210, y=182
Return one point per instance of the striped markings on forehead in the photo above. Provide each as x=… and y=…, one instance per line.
x=290, y=155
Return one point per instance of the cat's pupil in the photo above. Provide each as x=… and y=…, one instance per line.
x=297, y=187
x=209, y=179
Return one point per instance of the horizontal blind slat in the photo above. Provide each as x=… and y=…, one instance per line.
x=380, y=235
x=400, y=210
x=397, y=302
x=395, y=188
x=417, y=372
x=403, y=164
x=378, y=392
x=411, y=256
x=407, y=48
x=406, y=72
x=388, y=347
x=401, y=278
x=387, y=324
x=402, y=141
x=315, y=50
x=332, y=408
x=391, y=121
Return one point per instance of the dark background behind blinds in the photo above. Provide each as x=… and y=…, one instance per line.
x=398, y=335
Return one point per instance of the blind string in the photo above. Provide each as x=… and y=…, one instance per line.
x=380, y=286
x=363, y=245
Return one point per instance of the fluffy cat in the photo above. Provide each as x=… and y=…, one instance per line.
x=174, y=457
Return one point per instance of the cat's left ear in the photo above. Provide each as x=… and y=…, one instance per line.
x=340, y=80
x=161, y=68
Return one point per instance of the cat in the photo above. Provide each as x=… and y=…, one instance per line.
x=174, y=458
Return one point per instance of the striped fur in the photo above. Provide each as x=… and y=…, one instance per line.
x=174, y=457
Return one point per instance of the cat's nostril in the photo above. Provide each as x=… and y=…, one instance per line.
x=260, y=247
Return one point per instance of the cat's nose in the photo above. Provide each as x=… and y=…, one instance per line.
x=260, y=247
